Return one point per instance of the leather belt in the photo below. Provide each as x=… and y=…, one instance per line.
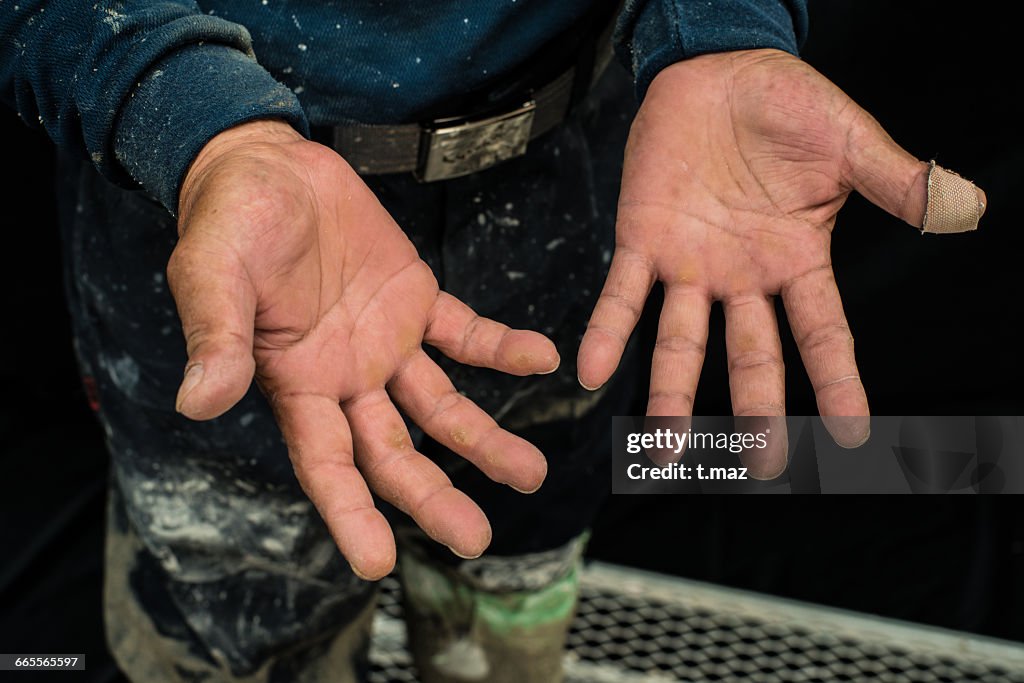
x=457, y=146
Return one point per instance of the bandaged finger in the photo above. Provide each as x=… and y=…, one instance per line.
x=954, y=203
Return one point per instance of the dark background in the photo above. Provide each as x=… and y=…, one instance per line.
x=934, y=320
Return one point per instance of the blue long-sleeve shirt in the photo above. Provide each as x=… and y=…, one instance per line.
x=139, y=86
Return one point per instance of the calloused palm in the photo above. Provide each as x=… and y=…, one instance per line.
x=735, y=168
x=290, y=269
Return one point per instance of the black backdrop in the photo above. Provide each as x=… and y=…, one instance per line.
x=934, y=321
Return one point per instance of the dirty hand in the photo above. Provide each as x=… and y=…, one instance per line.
x=736, y=166
x=288, y=268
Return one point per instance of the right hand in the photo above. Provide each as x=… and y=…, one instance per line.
x=289, y=269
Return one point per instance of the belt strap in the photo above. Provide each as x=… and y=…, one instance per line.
x=449, y=148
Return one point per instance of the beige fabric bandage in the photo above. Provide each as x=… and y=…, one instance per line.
x=953, y=203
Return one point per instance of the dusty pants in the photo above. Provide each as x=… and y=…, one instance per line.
x=219, y=568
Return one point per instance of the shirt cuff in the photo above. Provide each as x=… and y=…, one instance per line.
x=655, y=34
x=184, y=100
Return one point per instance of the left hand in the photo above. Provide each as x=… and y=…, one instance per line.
x=736, y=166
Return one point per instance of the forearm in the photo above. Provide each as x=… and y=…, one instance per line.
x=137, y=87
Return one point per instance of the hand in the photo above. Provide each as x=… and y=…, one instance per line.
x=288, y=267
x=735, y=168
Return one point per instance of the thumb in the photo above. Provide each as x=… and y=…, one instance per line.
x=217, y=306
x=924, y=195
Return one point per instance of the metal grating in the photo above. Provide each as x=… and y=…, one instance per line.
x=634, y=626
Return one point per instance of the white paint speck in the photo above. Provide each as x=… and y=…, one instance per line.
x=114, y=19
x=273, y=545
x=514, y=274
x=124, y=373
x=302, y=47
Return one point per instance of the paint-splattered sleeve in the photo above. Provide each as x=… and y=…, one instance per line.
x=137, y=86
x=652, y=34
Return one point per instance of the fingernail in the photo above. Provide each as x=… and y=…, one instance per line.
x=867, y=434
x=519, y=490
x=582, y=384
x=358, y=573
x=982, y=201
x=193, y=376
x=558, y=361
x=768, y=477
x=465, y=557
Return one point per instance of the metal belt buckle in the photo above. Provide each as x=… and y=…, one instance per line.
x=450, y=148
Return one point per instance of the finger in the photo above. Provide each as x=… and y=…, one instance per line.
x=217, y=306
x=671, y=451
x=464, y=336
x=320, y=447
x=679, y=351
x=898, y=182
x=410, y=481
x=823, y=336
x=427, y=396
x=766, y=445
x=756, y=375
x=756, y=372
x=615, y=315
x=676, y=365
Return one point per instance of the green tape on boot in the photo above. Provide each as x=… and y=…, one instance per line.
x=461, y=632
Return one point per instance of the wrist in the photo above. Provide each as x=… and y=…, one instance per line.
x=711, y=66
x=261, y=131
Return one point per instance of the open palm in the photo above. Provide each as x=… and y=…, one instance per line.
x=735, y=169
x=289, y=268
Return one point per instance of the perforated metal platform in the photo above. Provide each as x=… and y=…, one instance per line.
x=634, y=627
